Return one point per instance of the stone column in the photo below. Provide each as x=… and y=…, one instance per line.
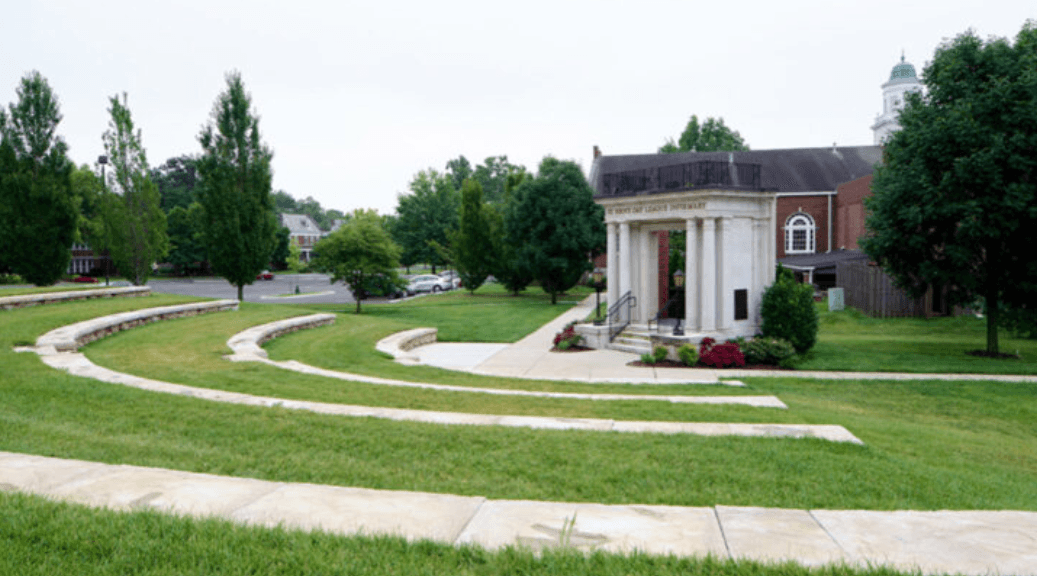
x=624, y=258
x=691, y=278
x=613, y=264
x=725, y=296
x=708, y=275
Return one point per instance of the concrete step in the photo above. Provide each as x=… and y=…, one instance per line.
x=632, y=345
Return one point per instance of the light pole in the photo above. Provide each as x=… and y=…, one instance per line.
x=103, y=161
x=678, y=280
x=597, y=276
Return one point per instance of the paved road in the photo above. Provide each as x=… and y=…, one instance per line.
x=265, y=291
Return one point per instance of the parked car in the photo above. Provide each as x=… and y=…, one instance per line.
x=382, y=287
x=452, y=277
x=429, y=283
x=264, y=275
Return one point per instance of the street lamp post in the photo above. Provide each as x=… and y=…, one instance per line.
x=597, y=276
x=103, y=161
x=678, y=280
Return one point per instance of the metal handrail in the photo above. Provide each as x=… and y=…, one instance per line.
x=665, y=307
x=615, y=314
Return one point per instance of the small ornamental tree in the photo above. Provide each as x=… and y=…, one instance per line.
x=788, y=311
x=358, y=251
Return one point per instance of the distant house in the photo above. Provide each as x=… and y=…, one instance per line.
x=85, y=261
x=304, y=231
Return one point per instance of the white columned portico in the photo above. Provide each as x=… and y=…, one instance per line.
x=724, y=297
x=691, y=275
x=613, y=264
x=708, y=277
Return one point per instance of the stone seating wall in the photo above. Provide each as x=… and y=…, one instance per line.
x=27, y=300
x=72, y=337
x=249, y=342
x=397, y=345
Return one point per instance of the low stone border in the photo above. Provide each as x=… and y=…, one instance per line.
x=399, y=344
x=27, y=300
x=247, y=345
x=72, y=337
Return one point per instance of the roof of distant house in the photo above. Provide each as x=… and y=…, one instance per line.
x=299, y=224
x=781, y=170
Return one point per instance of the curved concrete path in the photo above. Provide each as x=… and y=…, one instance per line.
x=974, y=543
x=56, y=349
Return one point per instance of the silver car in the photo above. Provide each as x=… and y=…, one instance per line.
x=429, y=283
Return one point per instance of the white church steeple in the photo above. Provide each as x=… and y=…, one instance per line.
x=902, y=81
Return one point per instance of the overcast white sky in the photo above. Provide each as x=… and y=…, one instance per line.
x=356, y=97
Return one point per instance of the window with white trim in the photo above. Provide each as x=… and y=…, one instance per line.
x=799, y=234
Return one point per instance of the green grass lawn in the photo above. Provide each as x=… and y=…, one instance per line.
x=849, y=340
x=930, y=445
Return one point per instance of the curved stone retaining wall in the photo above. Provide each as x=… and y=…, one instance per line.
x=249, y=343
x=27, y=300
x=70, y=338
x=398, y=344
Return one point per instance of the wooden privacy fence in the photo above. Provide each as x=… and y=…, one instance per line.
x=870, y=290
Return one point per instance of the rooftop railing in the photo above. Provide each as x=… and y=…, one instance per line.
x=689, y=176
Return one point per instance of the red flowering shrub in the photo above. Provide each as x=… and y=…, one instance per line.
x=720, y=355
x=567, y=338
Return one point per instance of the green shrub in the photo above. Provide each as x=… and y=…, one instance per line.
x=660, y=353
x=764, y=350
x=648, y=358
x=788, y=311
x=688, y=354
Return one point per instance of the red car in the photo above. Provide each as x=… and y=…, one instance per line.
x=265, y=275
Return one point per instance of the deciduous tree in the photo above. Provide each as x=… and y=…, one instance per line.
x=555, y=225
x=424, y=216
x=238, y=218
x=954, y=205
x=136, y=225
x=357, y=251
x=38, y=212
x=711, y=136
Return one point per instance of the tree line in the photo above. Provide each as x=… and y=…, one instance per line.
x=219, y=203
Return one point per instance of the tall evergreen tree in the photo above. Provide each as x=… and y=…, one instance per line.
x=471, y=244
x=555, y=225
x=38, y=212
x=136, y=225
x=238, y=214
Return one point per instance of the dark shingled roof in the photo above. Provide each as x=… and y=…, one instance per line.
x=785, y=170
x=822, y=262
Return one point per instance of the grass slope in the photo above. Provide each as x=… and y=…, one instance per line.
x=929, y=445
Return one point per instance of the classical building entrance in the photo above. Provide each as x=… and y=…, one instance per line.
x=729, y=252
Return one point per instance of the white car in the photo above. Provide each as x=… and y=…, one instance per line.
x=452, y=277
x=429, y=283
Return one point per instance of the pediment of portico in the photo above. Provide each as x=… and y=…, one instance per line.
x=682, y=206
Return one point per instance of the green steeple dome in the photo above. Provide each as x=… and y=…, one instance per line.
x=903, y=70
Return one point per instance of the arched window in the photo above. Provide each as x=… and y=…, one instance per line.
x=799, y=234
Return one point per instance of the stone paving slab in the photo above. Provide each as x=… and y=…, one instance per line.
x=969, y=542
x=773, y=535
x=412, y=515
x=656, y=529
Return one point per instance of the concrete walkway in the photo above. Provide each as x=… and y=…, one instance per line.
x=977, y=543
x=531, y=358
